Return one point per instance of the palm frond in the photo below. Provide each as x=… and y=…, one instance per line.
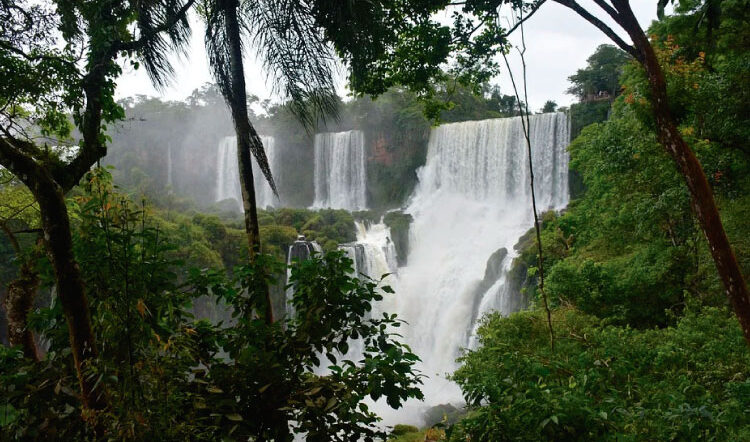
x=295, y=54
x=164, y=40
x=218, y=45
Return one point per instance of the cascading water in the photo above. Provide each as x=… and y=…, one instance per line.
x=374, y=254
x=169, y=164
x=340, y=175
x=473, y=200
x=228, y=176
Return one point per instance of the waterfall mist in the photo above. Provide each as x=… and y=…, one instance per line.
x=228, y=176
x=340, y=173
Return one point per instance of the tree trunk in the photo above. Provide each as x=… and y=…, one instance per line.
x=245, y=136
x=20, y=300
x=59, y=246
x=70, y=288
x=687, y=163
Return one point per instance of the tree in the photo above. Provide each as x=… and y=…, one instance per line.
x=601, y=75
x=59, y=59
x=687, y=163
x=549, y=106
x=294, y=52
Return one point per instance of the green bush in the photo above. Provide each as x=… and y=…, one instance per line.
x=687, y=382
x=401, y=429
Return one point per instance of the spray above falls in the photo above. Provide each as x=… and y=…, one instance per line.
x=340, y=174
x=228, y=175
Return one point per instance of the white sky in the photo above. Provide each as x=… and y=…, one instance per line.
x=557, y=40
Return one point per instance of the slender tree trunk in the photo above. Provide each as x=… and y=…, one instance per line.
x=58, y=242
x=669, y=137
x=20, y=300
x=18, y=304
x=701, y=194
x=246, y=136
x=70, y=287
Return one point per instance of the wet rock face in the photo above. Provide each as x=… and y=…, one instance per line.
x=300, y=250
x=399, y=223
x=494, y=266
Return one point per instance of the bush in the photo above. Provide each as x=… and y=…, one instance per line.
x=687, y=382
x=401, y=429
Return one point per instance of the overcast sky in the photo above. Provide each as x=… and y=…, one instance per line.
x=558, y=42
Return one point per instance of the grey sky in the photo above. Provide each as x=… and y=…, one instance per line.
x=558, y=42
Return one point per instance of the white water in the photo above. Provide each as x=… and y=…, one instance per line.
x=374, y=254
x=340, y=175
x=472, y=199
x=169, y=164
x=228, y=176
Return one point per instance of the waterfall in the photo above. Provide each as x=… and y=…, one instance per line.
x=374, y=253
x=473, y=199
x=228, y=175
x=263, y=192
x=340, y=175
x=169, y=165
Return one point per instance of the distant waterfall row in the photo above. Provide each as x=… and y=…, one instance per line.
x=228, y=177
x=340, y=176
x=340, y=173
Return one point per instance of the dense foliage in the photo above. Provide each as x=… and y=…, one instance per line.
x=600, y=78
x=603, y=382
x=645, y=346
x=172, y=376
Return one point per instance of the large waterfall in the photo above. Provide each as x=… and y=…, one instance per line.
x=473, y=200
x=340, y=175
x=228, y=176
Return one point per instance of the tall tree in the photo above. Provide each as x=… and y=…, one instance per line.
x=60, y=58
x=601, y=75
x=294, y=53
x=671, y=139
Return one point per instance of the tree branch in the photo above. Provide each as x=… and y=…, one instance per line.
x=578, y=9
x=523, y=19
x=608, y=9
x=34, y=58
x=12, y=238
x=19, y=164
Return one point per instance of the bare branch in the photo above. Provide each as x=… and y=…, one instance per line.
x=523, y=19
x=602, y=27
x=608, y=9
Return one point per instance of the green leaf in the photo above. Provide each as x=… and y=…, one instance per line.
x=8, y=414
x=234, y=417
